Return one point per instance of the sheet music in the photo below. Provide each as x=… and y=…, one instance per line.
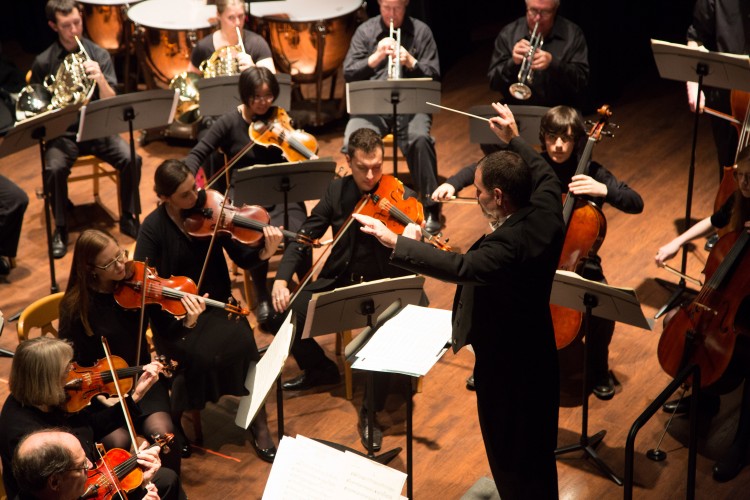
x=410, y=343
x=262, y=375
x=306, y=469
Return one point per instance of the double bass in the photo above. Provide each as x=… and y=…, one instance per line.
x=586, y=229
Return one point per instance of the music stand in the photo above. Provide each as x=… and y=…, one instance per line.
x=112, y=116
x=616, y=304
x=4, y=353
x=292, y=182
x=38, y=130
x=353, y=307
x=221, y=94
x=528, y=120
x=714, y=69
x=407, y=96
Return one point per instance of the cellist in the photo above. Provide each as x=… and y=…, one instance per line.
x=734, y=214
x=355, y=259
x=563, y=137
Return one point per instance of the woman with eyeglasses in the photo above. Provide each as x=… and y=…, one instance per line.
x=258, y=90
x=88, y=312
x=214, y=351
x=563, y=138
x=36, y=401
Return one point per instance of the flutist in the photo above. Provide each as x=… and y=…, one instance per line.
x=560, y=66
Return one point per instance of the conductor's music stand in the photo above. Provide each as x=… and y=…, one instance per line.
x=147, y=109
x=528, y=120
x=221, y=94
x=714, y=69
x=604, y=301
x=38, y=130
x=406, y=96
x=283, y=182
x=353, y=307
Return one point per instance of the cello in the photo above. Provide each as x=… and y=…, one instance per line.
x=586, y=229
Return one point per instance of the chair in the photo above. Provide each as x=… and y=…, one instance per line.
x=40, y=314
x=99, y=170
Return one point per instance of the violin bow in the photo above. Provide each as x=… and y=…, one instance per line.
x=225, y=169
x=116, y=379
x=142, y=319
x=213, y=239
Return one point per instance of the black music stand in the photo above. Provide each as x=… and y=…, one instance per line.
x=528, y=120
x=616, y=304
x=714, y=69
x=221, y=94
x=353, y=307
x=283, y=182
x=147, y=109
x=39, y=130
x=407, y=96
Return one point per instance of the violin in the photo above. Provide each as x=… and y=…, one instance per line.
x=166, y=292
x=388, y=205
x=245, y=224
x=117, y=472
x=704, y=331
x=83, y=383
x=277, y=131
x=586, y=229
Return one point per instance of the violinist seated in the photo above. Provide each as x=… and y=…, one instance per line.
x=64, y=17
x=214, y=350
x=52, y=465
x=563, y=137
x=354, y=259
x=258, y=90
x=254, y=51
x=417, y=57
x=560, y=66
x=89, y=311
x=36, y=399
x=733, y=215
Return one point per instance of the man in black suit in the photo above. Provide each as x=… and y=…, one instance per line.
x=501, y=308
x=354, y=259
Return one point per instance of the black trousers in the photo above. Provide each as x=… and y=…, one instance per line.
x=13, y=203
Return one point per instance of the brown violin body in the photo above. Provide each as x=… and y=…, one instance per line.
x=387, y=204
x=167, y=292
x=277, y=131
x=117, y=472
x=244, y=224
x=83, y=383
x=704, y=331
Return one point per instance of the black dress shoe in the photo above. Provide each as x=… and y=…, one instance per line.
x=711, y=241
x=432, y=222
x=312, y=378
x=377, y=433
x=470, y=383
x=730, y=464
x=59, y=243
x=186, y=451
x=709, y=405
x=4, y=265
x=129, y=226
x=265, y=454
x=263, y=311
x=604, y=388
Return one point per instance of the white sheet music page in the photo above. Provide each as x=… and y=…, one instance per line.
x=262, y=375
x=410, y=343
x=306, y=469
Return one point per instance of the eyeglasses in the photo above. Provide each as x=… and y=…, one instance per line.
x=85, y=467
x=551, y=137
x=119, y=259
x=266, y=98
x=540, y=13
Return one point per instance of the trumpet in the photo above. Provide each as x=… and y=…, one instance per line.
x=521, y=90
x=394, y=60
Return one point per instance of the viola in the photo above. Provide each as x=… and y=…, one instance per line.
x=244, y=224
x=586, y=229
x=117, y=472
x=166, y=292
x=85, y=382
x=704, y=331
x=388, y=205
x=277, y=131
